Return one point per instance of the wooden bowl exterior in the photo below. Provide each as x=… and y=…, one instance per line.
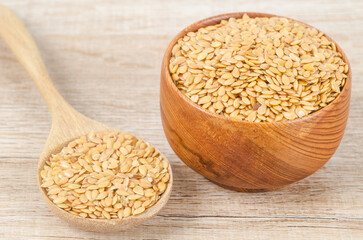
x=246, y=156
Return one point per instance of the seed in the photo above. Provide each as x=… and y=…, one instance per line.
x=335, y=87
x=125, y=168
x=102, y=195
x=59, y=200
x=81, y=206
x=288, y=64
x=204, y=100
x=96, y=156
x=274, y=87
x=74, y=186
x=279, y=117
x=246, y=101
x=182, y=69
x=105, y=164
x=285, y=80
x=228, y=82
x=134, y=197
x=68, y=173
x=63, y=205
x=202, y=56
x=120, y=214
x=117, y=145
x=122, y=192
x=139, y=210
x=279, y=68
x=252, y=116
x=275, y=102
x=137, y=204
x=127, y=212
x=83, y=198
x=288, y=115
x=262, y=109
x=97, y=168
x=166, y=178
x=279, y=52
x=145, y=183
x=306, y=47
x=216, y=44
x=301, y=113
x=54, y=191
x=309, y=67
x=108, y=202
x=143, y=170
x=106, y=214
x=147, y=203
x=235, y=72
x=161, y=186
x=138, y=190
x=194, y=98
x=227, y=76
x=117, y=171
x=47, y=184
x=103, y=184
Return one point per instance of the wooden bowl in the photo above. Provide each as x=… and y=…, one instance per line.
x=245, y=156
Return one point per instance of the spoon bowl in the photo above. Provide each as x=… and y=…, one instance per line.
x=56, y=141
x=67, y=125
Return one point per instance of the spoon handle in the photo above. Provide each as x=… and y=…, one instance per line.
x=67, y=123
x=22, y=44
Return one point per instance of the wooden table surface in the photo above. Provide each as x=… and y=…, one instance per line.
x=104, y=57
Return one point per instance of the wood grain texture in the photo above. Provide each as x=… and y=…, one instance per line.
x=98, y=53
x=67, y=125
x=244, y=156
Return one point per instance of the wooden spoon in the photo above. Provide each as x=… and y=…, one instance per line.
x=67, y=123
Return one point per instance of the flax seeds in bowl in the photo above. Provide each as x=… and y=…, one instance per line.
x=258, y=69
x=107, y=175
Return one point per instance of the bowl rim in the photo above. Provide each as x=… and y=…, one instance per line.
x=217, y=19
